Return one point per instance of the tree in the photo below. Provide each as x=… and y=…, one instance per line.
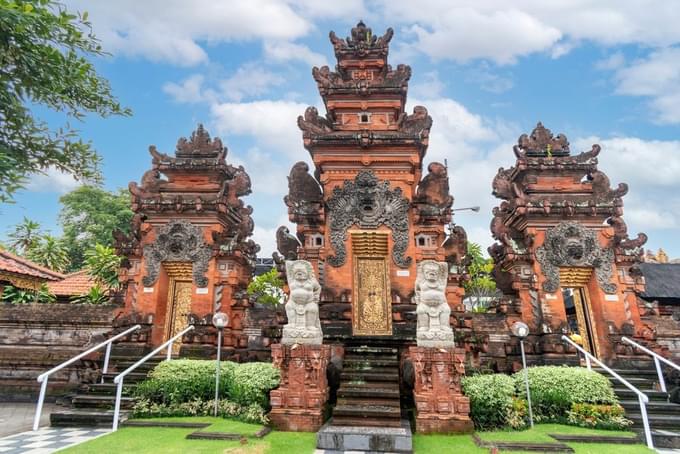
x=102, y=264
x=43, y=62
x=25, y=236
x=267, y=288
x=481, y=287
x=50, y=252
x=88, y=217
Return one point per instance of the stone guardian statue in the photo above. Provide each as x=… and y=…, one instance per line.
x=434, y=327
x=302, y=307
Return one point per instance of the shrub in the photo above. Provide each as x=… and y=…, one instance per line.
x=145, y=408
x=555, y=388
x=491, y=399
x=598, y=416
x=251, y=383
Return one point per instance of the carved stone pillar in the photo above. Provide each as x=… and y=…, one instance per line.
x=440, y=404
x=298, y=403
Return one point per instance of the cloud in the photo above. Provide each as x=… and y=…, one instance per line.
x=52, y=180
x=189, y=91
x=249, y=80
x=614, y=61
x=283, y=51
x=656, y=77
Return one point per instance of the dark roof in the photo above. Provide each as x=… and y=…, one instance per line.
x=15, y=264
x=662, y=280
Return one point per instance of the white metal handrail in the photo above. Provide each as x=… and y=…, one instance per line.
x=642, y=398
x=121, y=377
x=657, y=359
x=44, y=377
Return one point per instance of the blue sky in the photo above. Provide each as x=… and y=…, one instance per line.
x=604, y=72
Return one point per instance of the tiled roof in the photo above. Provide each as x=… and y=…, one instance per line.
x=15, y=264
x=662, y=280
x=77, y=283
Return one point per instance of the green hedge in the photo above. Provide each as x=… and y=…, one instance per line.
x=571, y=395
x=186, y=380
x=145, y=408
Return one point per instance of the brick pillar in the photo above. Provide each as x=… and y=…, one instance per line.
x=298, y=403
x=440, y=404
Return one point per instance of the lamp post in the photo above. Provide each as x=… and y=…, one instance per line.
x=521, y=330
x=219, y=320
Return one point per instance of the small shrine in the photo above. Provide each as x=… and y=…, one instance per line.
x=189, y=254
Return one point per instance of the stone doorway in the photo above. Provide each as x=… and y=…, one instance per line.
x=179, y=300
x=580, y=317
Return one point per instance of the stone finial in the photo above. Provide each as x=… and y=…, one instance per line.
x=199, y=144
x=433, y=311
x=302, y=308
x=542, y=143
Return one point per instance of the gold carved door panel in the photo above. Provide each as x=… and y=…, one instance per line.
x=179, y=308
x=372, y=299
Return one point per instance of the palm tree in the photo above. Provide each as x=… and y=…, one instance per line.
x=25, y=236
x=50, y=252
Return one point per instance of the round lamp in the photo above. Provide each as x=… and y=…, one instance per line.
x=520, y=329
x=220, y=320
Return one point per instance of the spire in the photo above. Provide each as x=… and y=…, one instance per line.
x=541, y=143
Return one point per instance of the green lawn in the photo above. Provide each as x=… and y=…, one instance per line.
x=172, y=440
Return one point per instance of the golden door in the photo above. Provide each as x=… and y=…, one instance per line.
x=179, y=307
x=580, y=317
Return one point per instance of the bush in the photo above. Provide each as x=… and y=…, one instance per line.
x=186, y=380
x=145, y=408
x=555, y=388
x=491, y=399
x=598, y=416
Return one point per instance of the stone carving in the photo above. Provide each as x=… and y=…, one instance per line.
x=434, y=327
x=369, y=203
x=434, y=188
x=418, y=123
x=502, y=185
x=571, y=244
x=621, y=238
x=455, y=247
x=541, y=143
x=199, y=145
x=602, y=189
x=302, y=307
x=314, y=124
x=286, y=244
x=361, y=41
x=303, y=190
x=178, y=241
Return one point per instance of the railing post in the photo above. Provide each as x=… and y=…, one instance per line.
x=41, y=399
x=168, y=356
x=105, y=369
x=659, y=372
x=645, y=423
x=116, y=411
x=588, y=365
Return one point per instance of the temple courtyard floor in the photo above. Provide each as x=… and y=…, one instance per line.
x=216, y=435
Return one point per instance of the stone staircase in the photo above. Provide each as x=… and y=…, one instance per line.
x=93, y=403
x=664, y=416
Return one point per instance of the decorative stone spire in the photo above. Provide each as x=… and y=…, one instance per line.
x=199, y=145
x=541, y=143
x=361, y=43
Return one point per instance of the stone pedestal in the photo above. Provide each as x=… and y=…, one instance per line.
x=298, y=403
x=440, y=404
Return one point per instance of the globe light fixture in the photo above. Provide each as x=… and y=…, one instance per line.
x=521, y=331
x=219, y=320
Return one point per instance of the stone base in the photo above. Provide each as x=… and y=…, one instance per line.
x=298, y=403
x=435, y=339
x=366, y=439
x=426, y=425
x=440, y=403
x=296, y=421
x=292, y=336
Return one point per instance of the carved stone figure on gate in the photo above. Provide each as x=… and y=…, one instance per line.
x=433, y=311
x=302, y=307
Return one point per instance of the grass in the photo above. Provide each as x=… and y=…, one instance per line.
x=173, y=441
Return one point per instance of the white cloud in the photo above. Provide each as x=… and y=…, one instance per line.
x=430, y=88
x=283, y=51
x=657, y=77
x=614, y=61
x=249, y=80
x=52, y=180
x=190, y=90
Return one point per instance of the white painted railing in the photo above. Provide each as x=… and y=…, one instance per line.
x=642, y=398
x=121, y=377
x=44, y=377
x=658, y=359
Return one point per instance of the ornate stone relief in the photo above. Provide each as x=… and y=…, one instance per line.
x=178, y=241
x=302, y=308
x=369, y=203
x=570, y=244
x=433, y=311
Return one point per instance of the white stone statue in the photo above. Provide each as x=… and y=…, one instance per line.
x=434, y=327
x=302, y=307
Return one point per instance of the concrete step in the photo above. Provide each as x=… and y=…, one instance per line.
x=653, y=407
x=364, y=350
x=665, y=439
x=371, y=411
x=356, y=376
x=657, y=421
x=382, y=392
x=650, y=373
x=627, y=394
x=131, y=378
x=103, y=388
x=397, y=439
x=367, y=402
x=100, y=401
x=352, y=421
x=77, y=418
x=355, y=361
x=638, y=382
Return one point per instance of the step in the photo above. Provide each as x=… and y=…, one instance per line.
x=665, y=439
x=651, y=373
x=354, y=377
x=77, y=417
x=104, y=388
x=638, y=382
x=132, y=377
x=373, y=369
x=627, y=394
x=338, y=438
x=363, y=350
x=352, y=421
x=655, y=407
x=596, y=439
x=367, y=411
x=657, y=421
x=368, y=392
x=100, y=401
x=353, y=362
x=366, y=402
